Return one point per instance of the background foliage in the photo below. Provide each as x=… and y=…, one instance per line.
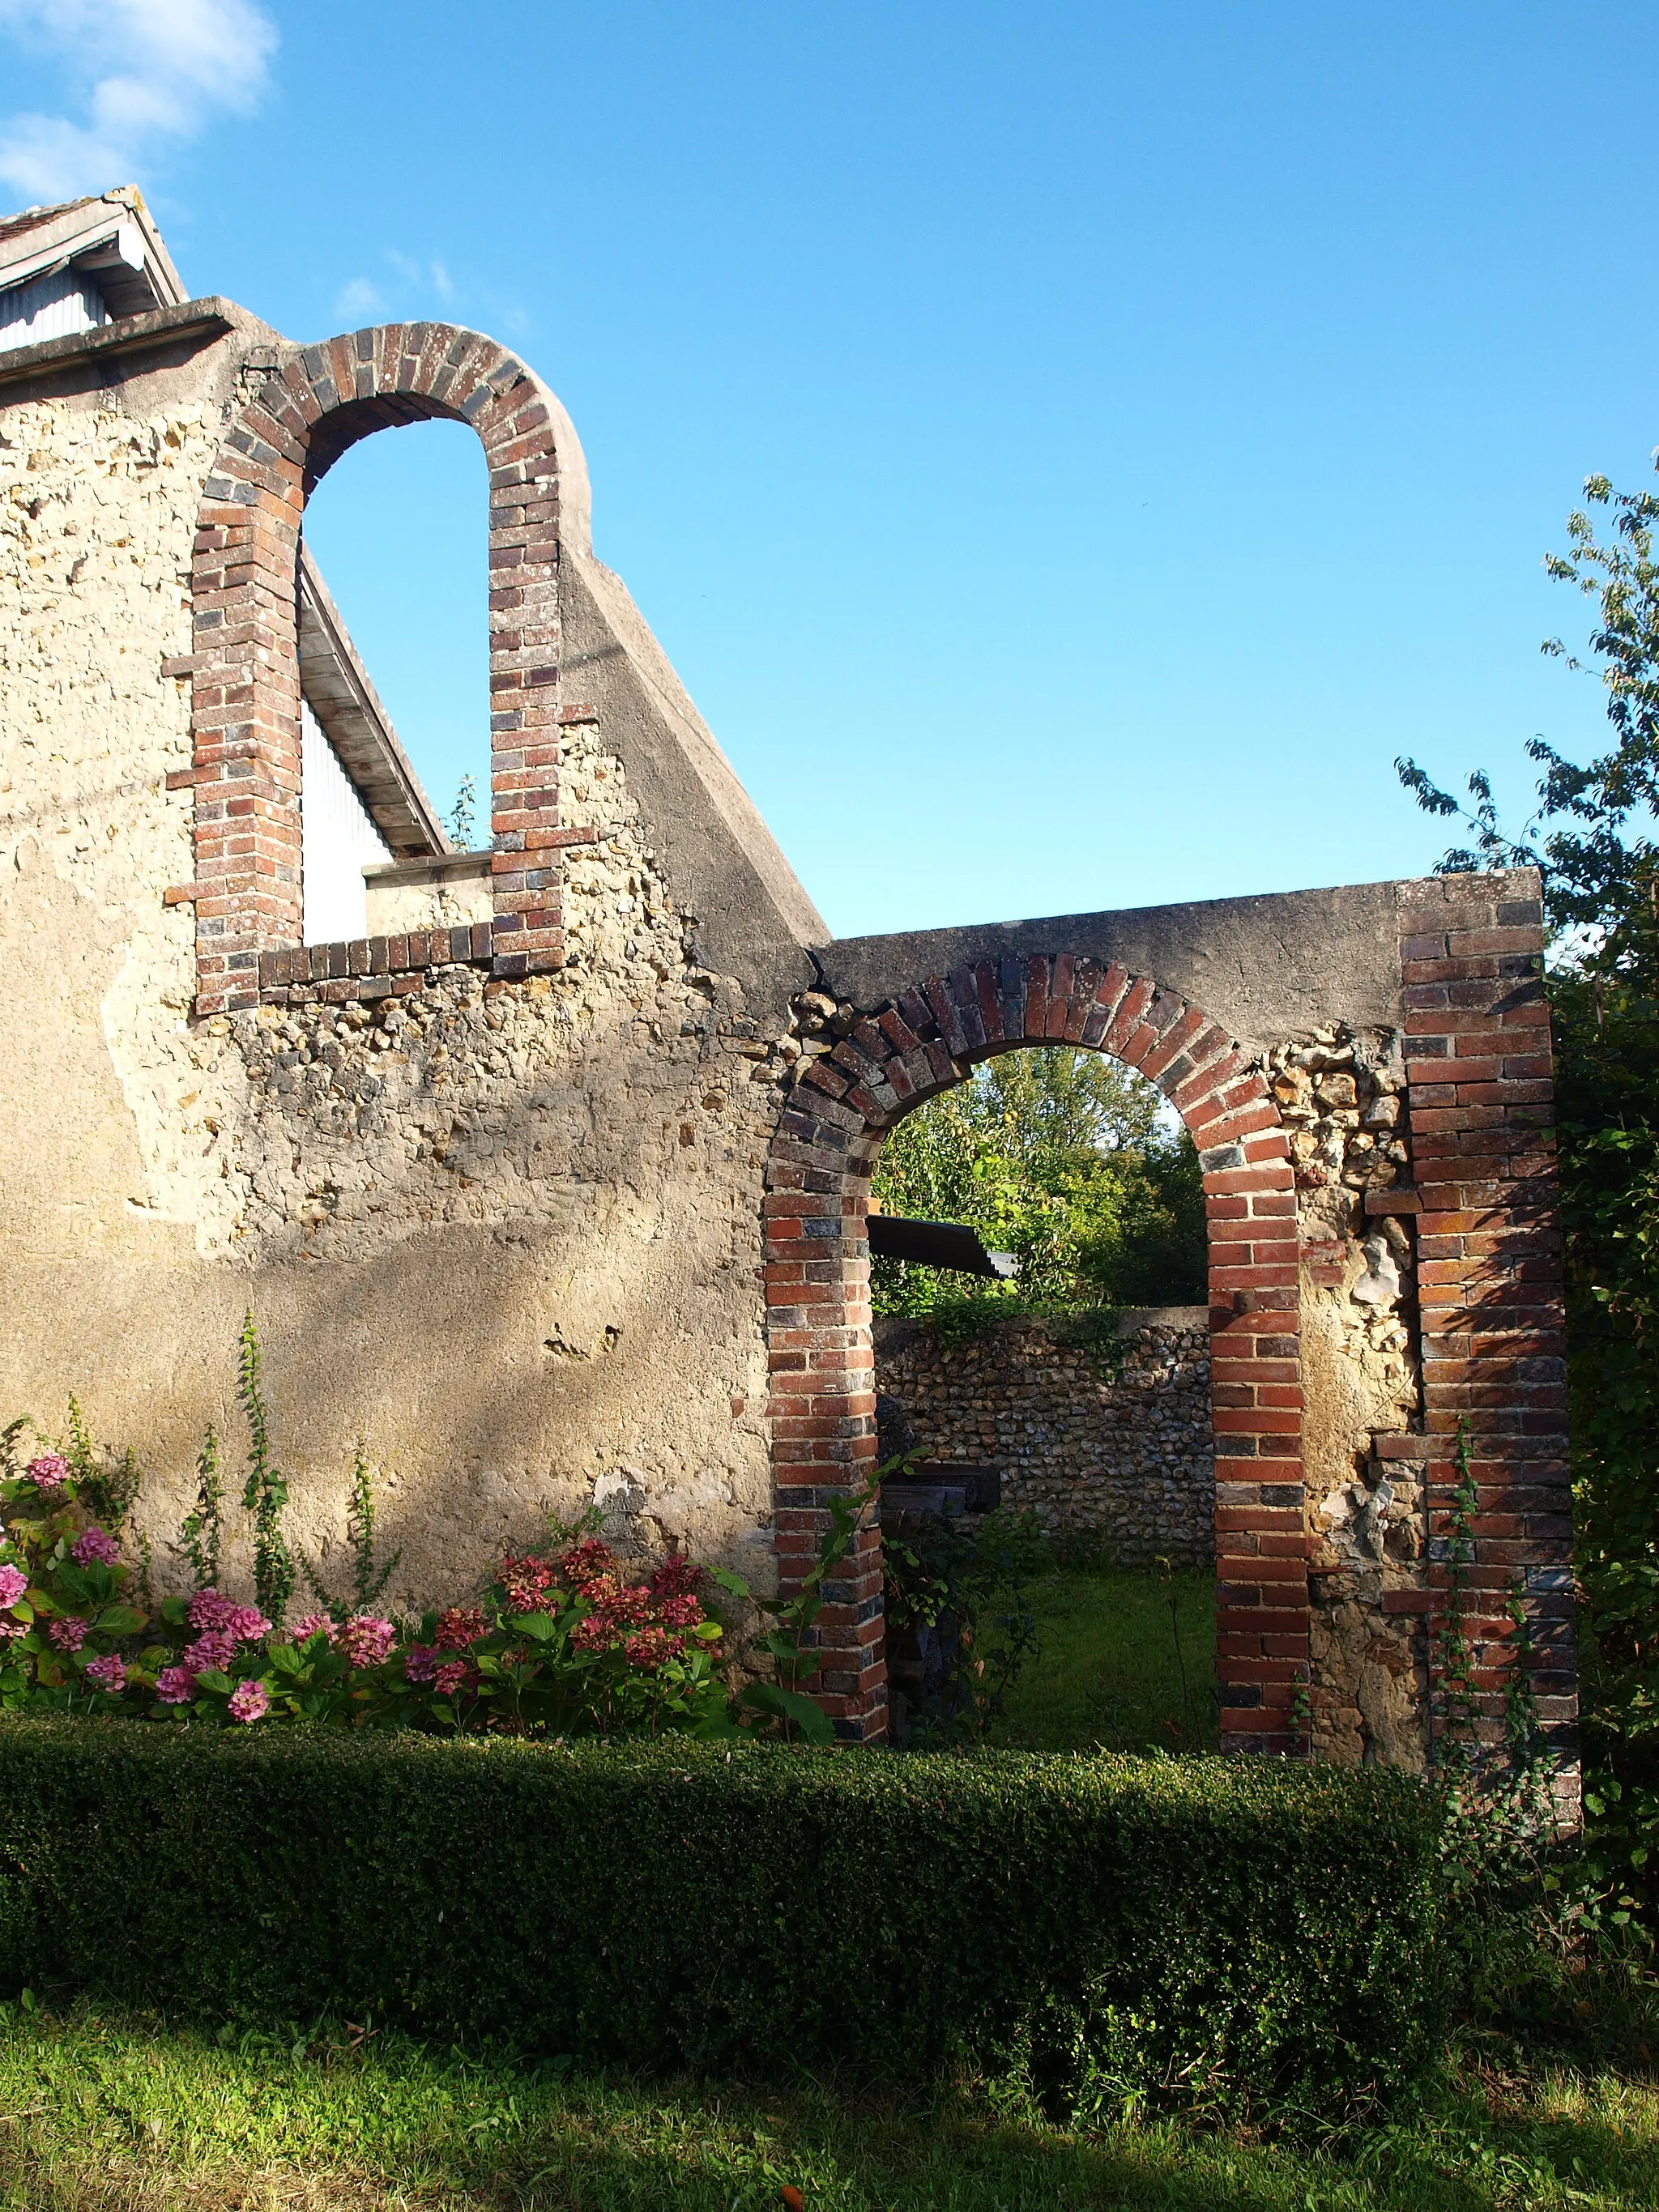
x=1592, y=838
x=1061, y=1157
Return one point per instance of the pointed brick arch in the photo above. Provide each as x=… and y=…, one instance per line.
x=817, y=1278
x=245, y=664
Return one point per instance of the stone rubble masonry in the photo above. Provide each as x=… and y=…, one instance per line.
x=1340, y=1092
x=1110, y=1446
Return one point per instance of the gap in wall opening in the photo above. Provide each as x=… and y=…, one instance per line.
x=1074, y=1386
x=398, y=532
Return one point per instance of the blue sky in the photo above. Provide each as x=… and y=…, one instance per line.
x=1067, y=450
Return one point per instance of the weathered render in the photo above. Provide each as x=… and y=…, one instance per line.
x=556, y=1194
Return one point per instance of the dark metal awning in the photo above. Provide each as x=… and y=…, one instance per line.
x=937, y=1245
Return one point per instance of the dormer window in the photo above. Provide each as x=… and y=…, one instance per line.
x=64, y=271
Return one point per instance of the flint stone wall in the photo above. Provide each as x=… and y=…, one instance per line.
x=1108, y=1443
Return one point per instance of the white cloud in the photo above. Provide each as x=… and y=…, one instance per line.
x=143, y=73
x=357, y=301
x=427, y=276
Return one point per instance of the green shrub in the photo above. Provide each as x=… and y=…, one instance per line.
x=1197, y=1931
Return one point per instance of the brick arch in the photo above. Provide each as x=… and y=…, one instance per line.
x=818, y=1324
x=244, y=661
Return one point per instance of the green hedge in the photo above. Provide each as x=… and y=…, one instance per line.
x=1239, y=1930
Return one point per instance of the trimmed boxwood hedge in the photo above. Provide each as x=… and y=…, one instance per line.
x=1241, y=1931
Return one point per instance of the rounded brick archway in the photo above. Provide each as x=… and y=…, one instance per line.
x=818, y=1322
x=244, y=664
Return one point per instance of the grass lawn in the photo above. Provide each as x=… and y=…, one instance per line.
x=1115, y=1643
x=107, y=2115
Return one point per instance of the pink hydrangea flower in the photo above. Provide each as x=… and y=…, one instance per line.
x=95, y=1543
x=367, y=1641
x=175, y=1685
x=216, y=1648
x=50, y=1472
x=109, y=1673
x=68, y=1633
x=448, y=1678
x=420, y=1662
x=13, y=1583
x=245, y=1623
x=309, y=1627
x=249, y=1701
x=9, y=1629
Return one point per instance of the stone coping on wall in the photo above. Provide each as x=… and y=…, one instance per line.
x=894, y=1330
x=371, y=967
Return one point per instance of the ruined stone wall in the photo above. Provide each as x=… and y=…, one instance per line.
x=540, y=1239
x=508, y=1233
x=1110, y=1443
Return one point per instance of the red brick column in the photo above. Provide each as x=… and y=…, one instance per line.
x=818, y=1306
x=244, y=661
x=1494, y=1343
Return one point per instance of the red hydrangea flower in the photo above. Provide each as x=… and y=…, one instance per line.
x=527, y=1582
x=675, y=1578
x=461, y=1625
x=585, y=1562
x=450, y=1677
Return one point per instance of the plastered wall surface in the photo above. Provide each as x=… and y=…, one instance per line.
x=507, y=1233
